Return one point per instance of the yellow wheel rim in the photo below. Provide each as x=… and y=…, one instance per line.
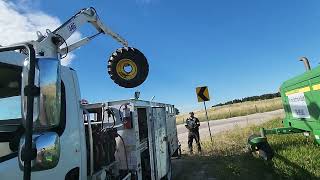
x=127, y=69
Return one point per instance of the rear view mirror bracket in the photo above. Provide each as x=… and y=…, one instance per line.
x=32, y=90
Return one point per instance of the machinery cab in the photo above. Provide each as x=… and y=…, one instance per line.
x=301, y=101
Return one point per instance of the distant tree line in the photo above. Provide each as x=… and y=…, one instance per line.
x=252, y=98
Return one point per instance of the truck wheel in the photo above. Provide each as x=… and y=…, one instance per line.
x=128, y=67
x=262, y=150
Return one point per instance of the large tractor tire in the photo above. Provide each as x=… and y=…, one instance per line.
x=262, y=150
x=128, y=67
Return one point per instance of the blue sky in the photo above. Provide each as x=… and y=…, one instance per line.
x=237, y=48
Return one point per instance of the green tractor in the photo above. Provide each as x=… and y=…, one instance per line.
x=301, y=102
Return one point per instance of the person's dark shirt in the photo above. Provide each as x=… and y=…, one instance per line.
x=192, y=124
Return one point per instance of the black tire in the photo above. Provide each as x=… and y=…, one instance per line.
x=265, y=151
x=262, y=150
x=251, y=148
x=124, y=57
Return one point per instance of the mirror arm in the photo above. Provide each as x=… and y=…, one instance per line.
x=29, y=121
x=32, y=154
x=32, y=90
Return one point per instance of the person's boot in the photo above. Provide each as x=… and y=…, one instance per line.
x=190, y=150
x=199, y=148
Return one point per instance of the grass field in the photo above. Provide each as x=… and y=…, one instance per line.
x=296, y=157
x=234, y=110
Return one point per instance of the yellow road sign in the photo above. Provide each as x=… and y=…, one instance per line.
x=203, y=94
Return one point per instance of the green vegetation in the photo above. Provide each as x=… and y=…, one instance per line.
x=296, y=157
x=251, y=98
x=235, y=110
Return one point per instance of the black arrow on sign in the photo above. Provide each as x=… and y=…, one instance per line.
x=201, y=95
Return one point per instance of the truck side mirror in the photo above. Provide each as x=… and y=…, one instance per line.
x=46, y=151
x=47, y=106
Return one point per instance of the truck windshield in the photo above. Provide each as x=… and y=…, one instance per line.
x=10, y=85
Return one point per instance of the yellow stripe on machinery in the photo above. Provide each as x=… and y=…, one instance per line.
x=301, y=90
x=316, y=87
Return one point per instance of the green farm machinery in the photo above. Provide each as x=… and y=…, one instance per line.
x=301, y=102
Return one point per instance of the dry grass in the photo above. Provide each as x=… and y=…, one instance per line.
x=234, y=110
x=296, y=157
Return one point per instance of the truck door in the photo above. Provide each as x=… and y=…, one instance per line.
x=10, y=114
x=161, y=152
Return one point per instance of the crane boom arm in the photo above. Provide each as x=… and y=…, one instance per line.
x=50, y=45
x=83, y=16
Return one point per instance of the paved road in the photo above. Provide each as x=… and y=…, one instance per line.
x=218, y=126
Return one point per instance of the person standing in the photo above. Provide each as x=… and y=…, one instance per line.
x=193, y=124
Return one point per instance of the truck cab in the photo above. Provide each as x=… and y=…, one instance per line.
x=70, y=130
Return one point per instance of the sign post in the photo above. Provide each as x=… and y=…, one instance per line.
x=203, y=96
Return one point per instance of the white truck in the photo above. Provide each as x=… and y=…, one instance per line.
x=47, y=132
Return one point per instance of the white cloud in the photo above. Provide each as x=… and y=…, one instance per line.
x=67, y=60
x=19, y=23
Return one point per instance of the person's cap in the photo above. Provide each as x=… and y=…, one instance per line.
x=191, y=113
